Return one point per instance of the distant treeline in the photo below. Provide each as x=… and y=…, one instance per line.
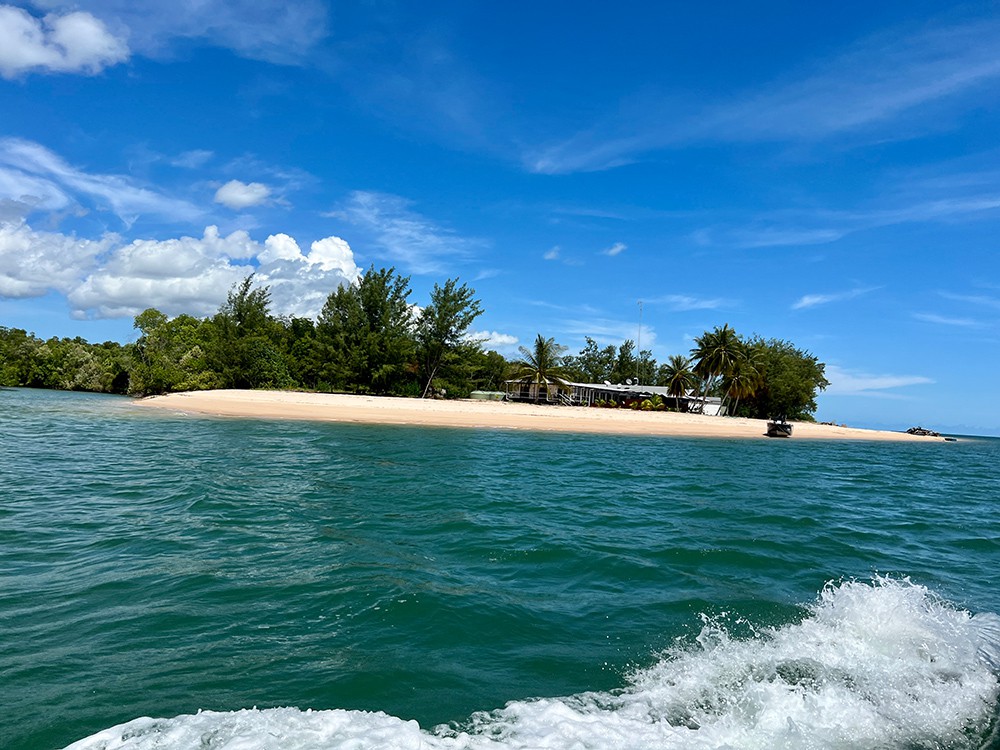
x=370, y=338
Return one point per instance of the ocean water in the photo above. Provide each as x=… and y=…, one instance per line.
x=169, y=582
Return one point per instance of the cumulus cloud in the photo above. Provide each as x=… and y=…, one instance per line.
x=616, y=249
x=494, y=340
x=239, y=195
x=301, y=282
x=33, y=263
x=108, y=278
x=76, y=42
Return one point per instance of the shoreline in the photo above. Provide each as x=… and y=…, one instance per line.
x=390, y=410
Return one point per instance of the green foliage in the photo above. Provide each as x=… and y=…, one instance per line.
x=366, y=334
x=66, y=364
x=593, y=365
x=169, y=354
x=677, y=376
x=541, y=365
x=441, y=331
x=789, y=381
x=244, y=345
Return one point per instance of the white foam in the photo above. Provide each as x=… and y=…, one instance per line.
x=876, y=665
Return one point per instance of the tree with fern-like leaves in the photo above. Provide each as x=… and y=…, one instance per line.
x=677, y=376
x=541, y=365
x=715, y=355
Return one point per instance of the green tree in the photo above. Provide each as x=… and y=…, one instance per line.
x=541, y=365
x=594, y=364
x=745, y=377
x=790, y=381
x=677, y=376
x=715, y=355
x=245, y=341
x=366, y=330
x=170, y=355
x=442, y=328
x=625, y=363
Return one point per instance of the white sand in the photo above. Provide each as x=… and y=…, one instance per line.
x=329, y=407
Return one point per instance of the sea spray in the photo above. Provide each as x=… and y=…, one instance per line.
x=884, y=664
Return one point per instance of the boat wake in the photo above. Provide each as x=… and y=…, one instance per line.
x=884, y=664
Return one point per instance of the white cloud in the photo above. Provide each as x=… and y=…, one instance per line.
x=685, y=303
x=875, y=84
x=239, y=195
x=300, y=283
x=605, y=331
x=813, y=300
x=76, y=42
x=271, y=30
x=845, y=382
x=404, y=236
x=552, y=254
x=108, y=279
x=29, y=169
x=973, y=299
x=616, y=249
x=192, y=159
x=33, y=263
x=494, y=340
x=946, y=321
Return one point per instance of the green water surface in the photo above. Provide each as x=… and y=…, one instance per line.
x=158, y=564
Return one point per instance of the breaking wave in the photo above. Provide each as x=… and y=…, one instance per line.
x=884, y=664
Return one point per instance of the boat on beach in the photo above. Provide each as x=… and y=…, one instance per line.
x=779, y=428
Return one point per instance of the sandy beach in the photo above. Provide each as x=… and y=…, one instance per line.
x=330, y=407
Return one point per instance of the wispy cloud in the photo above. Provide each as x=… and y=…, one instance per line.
x=609, y=331
x=814, y=300
x=805, y=227
x=685, y=303
x=616, y=249
x=403, y=235
x=948, y=321
x=844, y=382
x=25, y=165
x=270, y=30
x=981, y=300
x=877, y=82
x=552, y=253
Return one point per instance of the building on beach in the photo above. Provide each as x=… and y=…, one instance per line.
x=556, y=391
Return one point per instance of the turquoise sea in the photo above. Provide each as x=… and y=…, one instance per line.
x=169, y=582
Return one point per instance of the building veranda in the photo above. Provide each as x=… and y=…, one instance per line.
x=568, y=393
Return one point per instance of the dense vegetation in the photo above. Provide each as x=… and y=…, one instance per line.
x=370, y=338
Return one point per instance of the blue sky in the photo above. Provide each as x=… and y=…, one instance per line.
x=829, y=176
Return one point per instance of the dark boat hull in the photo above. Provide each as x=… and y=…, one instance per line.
x=779, y=429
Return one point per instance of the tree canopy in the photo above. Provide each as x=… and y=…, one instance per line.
x=370, y=338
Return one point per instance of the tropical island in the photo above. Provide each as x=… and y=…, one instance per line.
x=370, y=340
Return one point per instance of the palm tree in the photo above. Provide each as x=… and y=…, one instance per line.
x=716, y=353
x=678, y=377
x=541, y=364
x=745, y=377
